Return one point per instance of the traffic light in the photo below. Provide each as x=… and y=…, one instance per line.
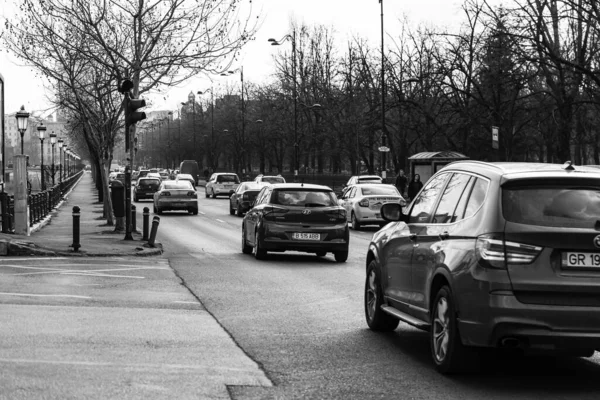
x=132, y=116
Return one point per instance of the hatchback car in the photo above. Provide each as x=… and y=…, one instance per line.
x=145, y=188
x=173, y=195
x=242, y=198
x=271, y=179
x=363, y=203
x=186, y=177
x=221, y=183
x=492, y=255
x=295, y=216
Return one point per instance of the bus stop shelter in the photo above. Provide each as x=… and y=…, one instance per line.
x=429, y=162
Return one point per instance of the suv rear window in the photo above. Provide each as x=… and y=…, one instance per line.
x=553, y=205
x=303, y=198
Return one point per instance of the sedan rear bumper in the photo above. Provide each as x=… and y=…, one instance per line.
x=178, y=204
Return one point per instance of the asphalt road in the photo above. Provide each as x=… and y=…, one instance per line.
x=301, y=319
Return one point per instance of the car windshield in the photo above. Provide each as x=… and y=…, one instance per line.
x=380, y=191
x=373, y=180
x=273, y=179
x=552, y=205
x=178, y=185
x=303, y=198
x=228, y=179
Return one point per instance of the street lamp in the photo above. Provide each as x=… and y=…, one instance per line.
x=169, y=116
x=22, y=119
x=60, y=145
x=53, y=142
x=384, y=149
x=41, y=132
x=274, y=42
x=241, y=69
x=66, y=159
x=212, y=122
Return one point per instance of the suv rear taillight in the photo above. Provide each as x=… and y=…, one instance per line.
x=494, y=252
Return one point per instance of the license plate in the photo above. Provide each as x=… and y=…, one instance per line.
x=306, y=236
x=580, y=260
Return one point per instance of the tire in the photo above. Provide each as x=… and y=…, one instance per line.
x=194, y=211
x=245, y=248
x=321, y=253
x=377, y=320
x=231, y=210
x=238, y=211
x=447, y=351
x=135, y=198
x=155, y=210
x=259, y=253
x=159, y=211
x=341, y=256
x=355, y=223
x=214, y=195
x=206, y=193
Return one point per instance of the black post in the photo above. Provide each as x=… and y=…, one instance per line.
x=146, y=223
x=128, y=205
x=76, y=218
x=155, y=222
x=133, y=218
x=42, y=162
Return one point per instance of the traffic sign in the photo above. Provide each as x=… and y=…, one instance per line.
x=384, y=149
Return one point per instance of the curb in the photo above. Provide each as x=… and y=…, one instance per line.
x=17, y=248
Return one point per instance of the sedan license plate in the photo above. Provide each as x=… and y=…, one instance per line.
x=306, y=236
x=580, y=260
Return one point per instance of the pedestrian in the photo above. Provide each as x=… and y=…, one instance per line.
x=414, y=186
x=401, y=181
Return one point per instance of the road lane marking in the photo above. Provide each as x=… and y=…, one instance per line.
x=220, y=220
x=186, y=302
x=103, y=275
x=45, y=295
x=203, y=213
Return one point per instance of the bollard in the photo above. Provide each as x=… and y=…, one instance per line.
x=4, y=200
x=76, y=217
x=146, y=223
x=133, y=221
x=155, y=222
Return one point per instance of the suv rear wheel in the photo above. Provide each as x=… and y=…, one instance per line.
x=448, y=353
x=341, y=256
x=376, y=318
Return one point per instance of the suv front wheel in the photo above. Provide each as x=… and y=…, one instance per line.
x=376, y=318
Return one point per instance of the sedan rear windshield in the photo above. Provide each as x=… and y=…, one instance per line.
x=552, y=205
x=179, y=185
x=273, y=179
x=380, y=191
x=228, y=179
x=149, y=182
x=303, y=198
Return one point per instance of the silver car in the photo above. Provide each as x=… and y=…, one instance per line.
x=363, y=202
x=174, y=195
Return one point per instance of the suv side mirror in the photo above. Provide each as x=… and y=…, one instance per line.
x=393, y=212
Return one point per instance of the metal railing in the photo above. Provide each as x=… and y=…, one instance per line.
x=40, y=204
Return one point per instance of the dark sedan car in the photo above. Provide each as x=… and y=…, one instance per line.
x=295, y=216
x=145, y=188
x=242, y=198
x=492, y=255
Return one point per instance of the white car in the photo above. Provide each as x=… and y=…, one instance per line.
x=186, y=177
x=222, y=183
x=363, y=203
x=270, y=179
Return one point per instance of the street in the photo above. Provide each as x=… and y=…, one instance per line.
x=301, y=319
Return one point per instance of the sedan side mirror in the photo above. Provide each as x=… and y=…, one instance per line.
x=392, y=212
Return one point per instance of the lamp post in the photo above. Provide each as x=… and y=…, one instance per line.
x=53, y=142
x=169, y=116
x=41, y=132
x=384, y=148
x=241, y=69
x=212, y=122
x=60, y=145
x=22, y=119
x=66, y=157
x=274, y=42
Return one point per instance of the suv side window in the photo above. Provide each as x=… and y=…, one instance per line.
x=477, y=197
x=423, y=204
x=446, y=211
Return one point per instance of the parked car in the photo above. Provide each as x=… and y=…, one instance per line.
x=500, y=255
x=296, y=216
x=120, y=177
x=154, y=175
x=221, y=183
x=241, y=200
x=269, y=179
x=174, y=195
x=145, y=188
x=363, y=202
x=186, y=177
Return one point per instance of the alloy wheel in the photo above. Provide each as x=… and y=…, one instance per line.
x=441, y=331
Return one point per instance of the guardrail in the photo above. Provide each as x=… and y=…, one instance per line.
x=40, y=204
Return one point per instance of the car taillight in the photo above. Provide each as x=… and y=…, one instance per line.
x=495, y=252
x=337, y=215
x=270, y=213
x=191, y=193
x=364, y=203
x=165, y=193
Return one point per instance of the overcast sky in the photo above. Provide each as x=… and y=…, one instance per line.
x=348, y=17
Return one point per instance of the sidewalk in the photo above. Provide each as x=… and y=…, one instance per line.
x=53, y=236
